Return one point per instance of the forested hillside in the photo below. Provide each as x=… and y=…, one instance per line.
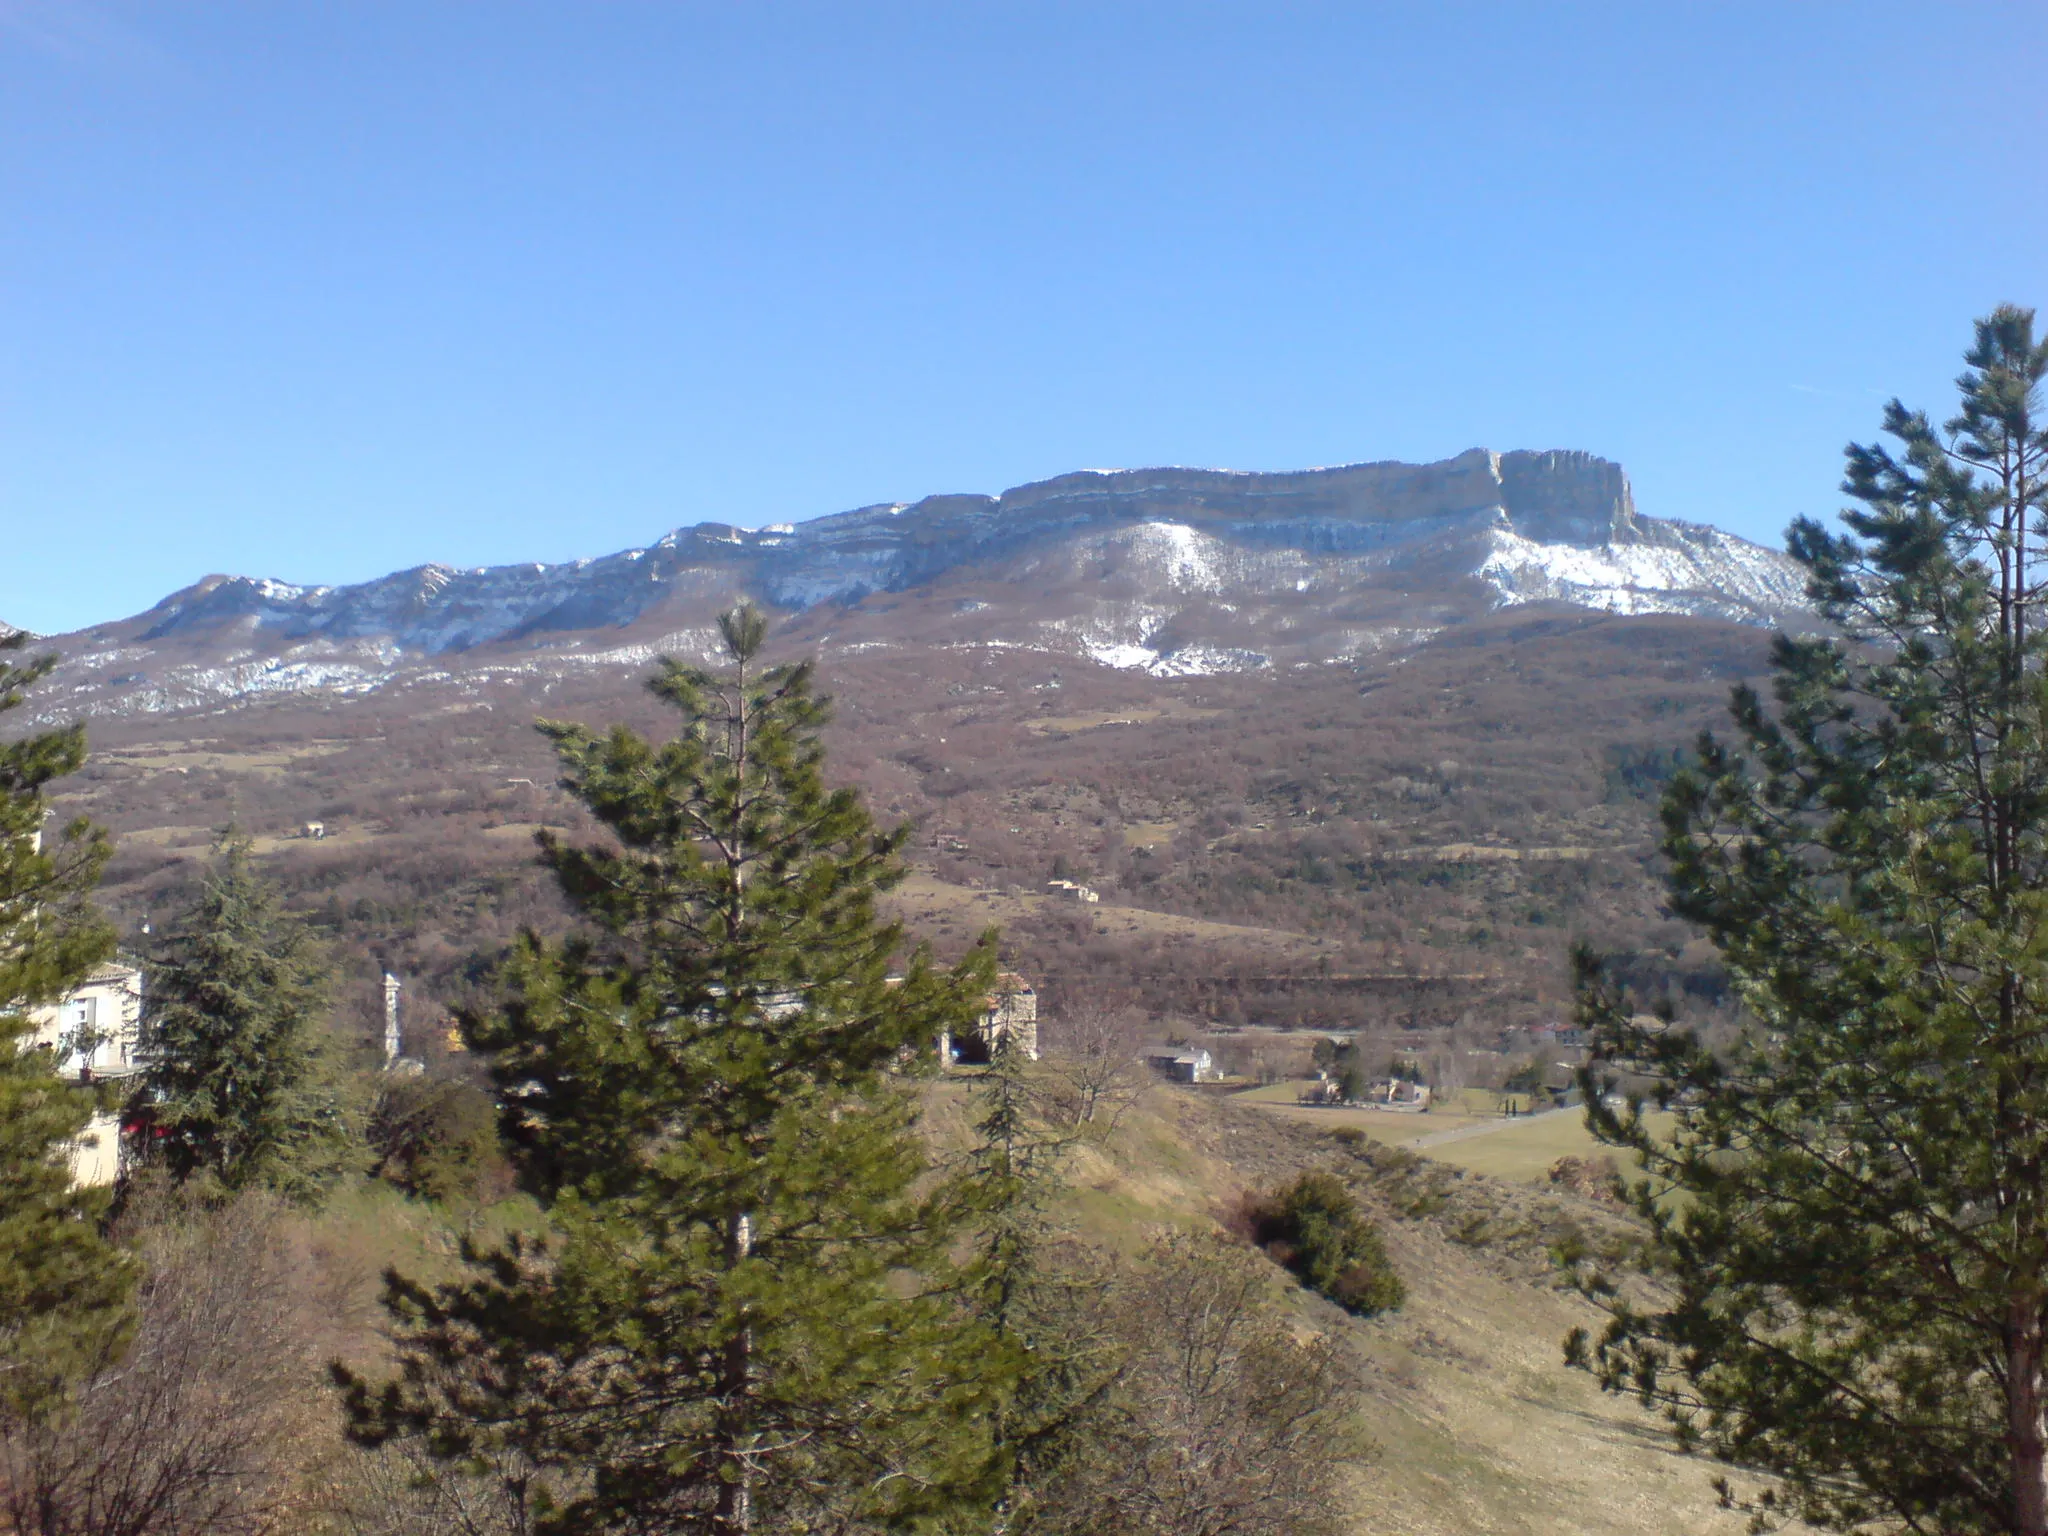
x=1460, y=812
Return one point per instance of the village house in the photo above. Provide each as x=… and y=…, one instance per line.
x=1010, y=1012
x=94, y=1035
x=1397, y=1093
x=1181, y=1063
x=1071, y=891
x=1393, y=1093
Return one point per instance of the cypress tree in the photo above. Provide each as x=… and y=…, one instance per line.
x=1852, y=1213
x=744, y=1312
x=242, y=1085
x=63, y=1289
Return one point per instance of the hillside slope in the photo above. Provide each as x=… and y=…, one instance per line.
x=1480, y=1426
x=1273, y=848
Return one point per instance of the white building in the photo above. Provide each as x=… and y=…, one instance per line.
x=1070, y=891
x=94, y=1033
x=1181, y=1063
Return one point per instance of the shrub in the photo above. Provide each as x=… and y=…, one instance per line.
x=435, y=1138
x=202, y=1424
x=1314, y=1228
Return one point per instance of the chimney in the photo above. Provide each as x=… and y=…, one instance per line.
x=391, y=1041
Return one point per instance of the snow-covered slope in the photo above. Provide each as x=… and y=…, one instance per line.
x=1669, y=567
x=1175, y=570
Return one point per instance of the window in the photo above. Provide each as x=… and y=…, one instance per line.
x=81, y=1023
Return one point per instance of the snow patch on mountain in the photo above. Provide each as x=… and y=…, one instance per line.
x=1123, y=657
x=1185, y=560
x=1690, y=570
x=1132, y=637
x=701, y=644
x=1188, y=661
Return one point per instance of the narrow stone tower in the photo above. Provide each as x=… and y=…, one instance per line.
x=391, y=1036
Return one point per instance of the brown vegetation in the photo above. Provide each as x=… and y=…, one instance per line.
x=1227, y=1423
x=211, y=1422
x=1327, y=848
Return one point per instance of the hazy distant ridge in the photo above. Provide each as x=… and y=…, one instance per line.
x=1529, y=503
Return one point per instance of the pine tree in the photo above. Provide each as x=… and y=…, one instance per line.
x=744, y=1313
x=1852, y=1213
x=243, y=1088
x=64, y=1291
x=1047, y=1347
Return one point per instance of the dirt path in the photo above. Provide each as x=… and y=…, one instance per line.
x=1484, y=1128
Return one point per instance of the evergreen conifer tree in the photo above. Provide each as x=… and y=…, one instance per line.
x=745, y=1314
x=1857, y=1251
x=242, y=1086
x=64, y=1291
x=1048, y=1345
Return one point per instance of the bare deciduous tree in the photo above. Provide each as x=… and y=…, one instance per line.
x=398, y=1490
x=210, y=1420
x=1222, y=1422
x=1242, y=1429
x=1092, y=1052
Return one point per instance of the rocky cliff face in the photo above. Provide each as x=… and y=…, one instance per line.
x=1175, y=570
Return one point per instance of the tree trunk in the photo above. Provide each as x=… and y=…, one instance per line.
x=735, y=1488
x=2024, y=1431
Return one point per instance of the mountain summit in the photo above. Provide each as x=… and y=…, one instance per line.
x=1178, y=571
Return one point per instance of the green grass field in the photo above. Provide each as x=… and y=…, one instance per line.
x=1525, y=1150
x=1521, y=1149
x=1472, y=1108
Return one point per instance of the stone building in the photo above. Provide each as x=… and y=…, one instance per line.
x=1009, y=1012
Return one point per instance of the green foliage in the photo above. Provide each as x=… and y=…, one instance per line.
x=243, y=1086
x=746, y=1312
x=1641, y=773
x=1048, y=1354
x=1853, y=1209
x=1315, y=1228
x=64, y=1291
x=1341, y=1060
x=432, y=1137
x=1353, y=1080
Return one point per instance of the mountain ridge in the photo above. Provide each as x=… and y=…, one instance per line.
x=1177, y=570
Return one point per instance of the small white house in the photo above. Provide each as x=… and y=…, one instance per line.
x=1070, y=891
x=1181, y=1063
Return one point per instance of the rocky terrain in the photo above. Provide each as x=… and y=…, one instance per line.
x=1175, y=572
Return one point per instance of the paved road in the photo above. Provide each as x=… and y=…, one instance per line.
x=1485, y=1128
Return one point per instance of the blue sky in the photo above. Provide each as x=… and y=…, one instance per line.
x=318, y=291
